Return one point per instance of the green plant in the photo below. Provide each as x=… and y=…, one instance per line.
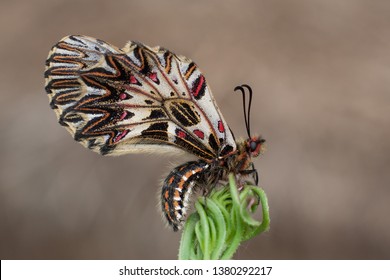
x=222, y=221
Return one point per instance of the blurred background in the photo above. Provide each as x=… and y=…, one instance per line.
x=320, y=71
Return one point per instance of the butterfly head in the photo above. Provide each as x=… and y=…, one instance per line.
x=254, y=146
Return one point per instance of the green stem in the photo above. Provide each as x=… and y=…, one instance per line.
x=188, y=237
x=222, y=221
x=202, y=230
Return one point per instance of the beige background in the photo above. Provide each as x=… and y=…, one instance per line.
x=320, y=72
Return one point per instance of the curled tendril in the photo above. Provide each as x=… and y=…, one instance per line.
x=222, y=221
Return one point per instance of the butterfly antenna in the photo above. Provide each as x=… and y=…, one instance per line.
x=249, y=109
x=246, y=114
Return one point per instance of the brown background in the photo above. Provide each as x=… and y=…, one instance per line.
x=320, y=72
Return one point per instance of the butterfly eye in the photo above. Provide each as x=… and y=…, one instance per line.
x=253, y=146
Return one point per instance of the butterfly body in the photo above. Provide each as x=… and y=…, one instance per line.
x=179, y=184
x=136, y=99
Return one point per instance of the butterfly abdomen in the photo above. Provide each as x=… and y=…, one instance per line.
x=177, y=189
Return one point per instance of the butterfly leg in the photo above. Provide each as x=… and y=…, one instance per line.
x=177, y=189
x=253, y=172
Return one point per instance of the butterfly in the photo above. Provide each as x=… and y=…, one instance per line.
x=147, y=99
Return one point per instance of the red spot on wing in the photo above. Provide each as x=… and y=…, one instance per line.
x=153, y=77
x=120, y=135
x=181, y=134
x=133, y=80
x=122, y=96
x=221, y=127
x=199, y=133
x=198, y=87
x=123, y=116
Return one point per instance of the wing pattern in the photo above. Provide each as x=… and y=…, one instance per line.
x=116, y=101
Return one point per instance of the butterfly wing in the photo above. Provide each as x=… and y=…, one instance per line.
x=116, y=101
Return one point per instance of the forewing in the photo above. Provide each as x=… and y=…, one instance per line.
x=122, y=101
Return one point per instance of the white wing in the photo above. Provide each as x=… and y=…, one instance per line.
x=118, y=101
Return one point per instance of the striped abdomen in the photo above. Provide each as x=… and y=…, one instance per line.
x=177, y=188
